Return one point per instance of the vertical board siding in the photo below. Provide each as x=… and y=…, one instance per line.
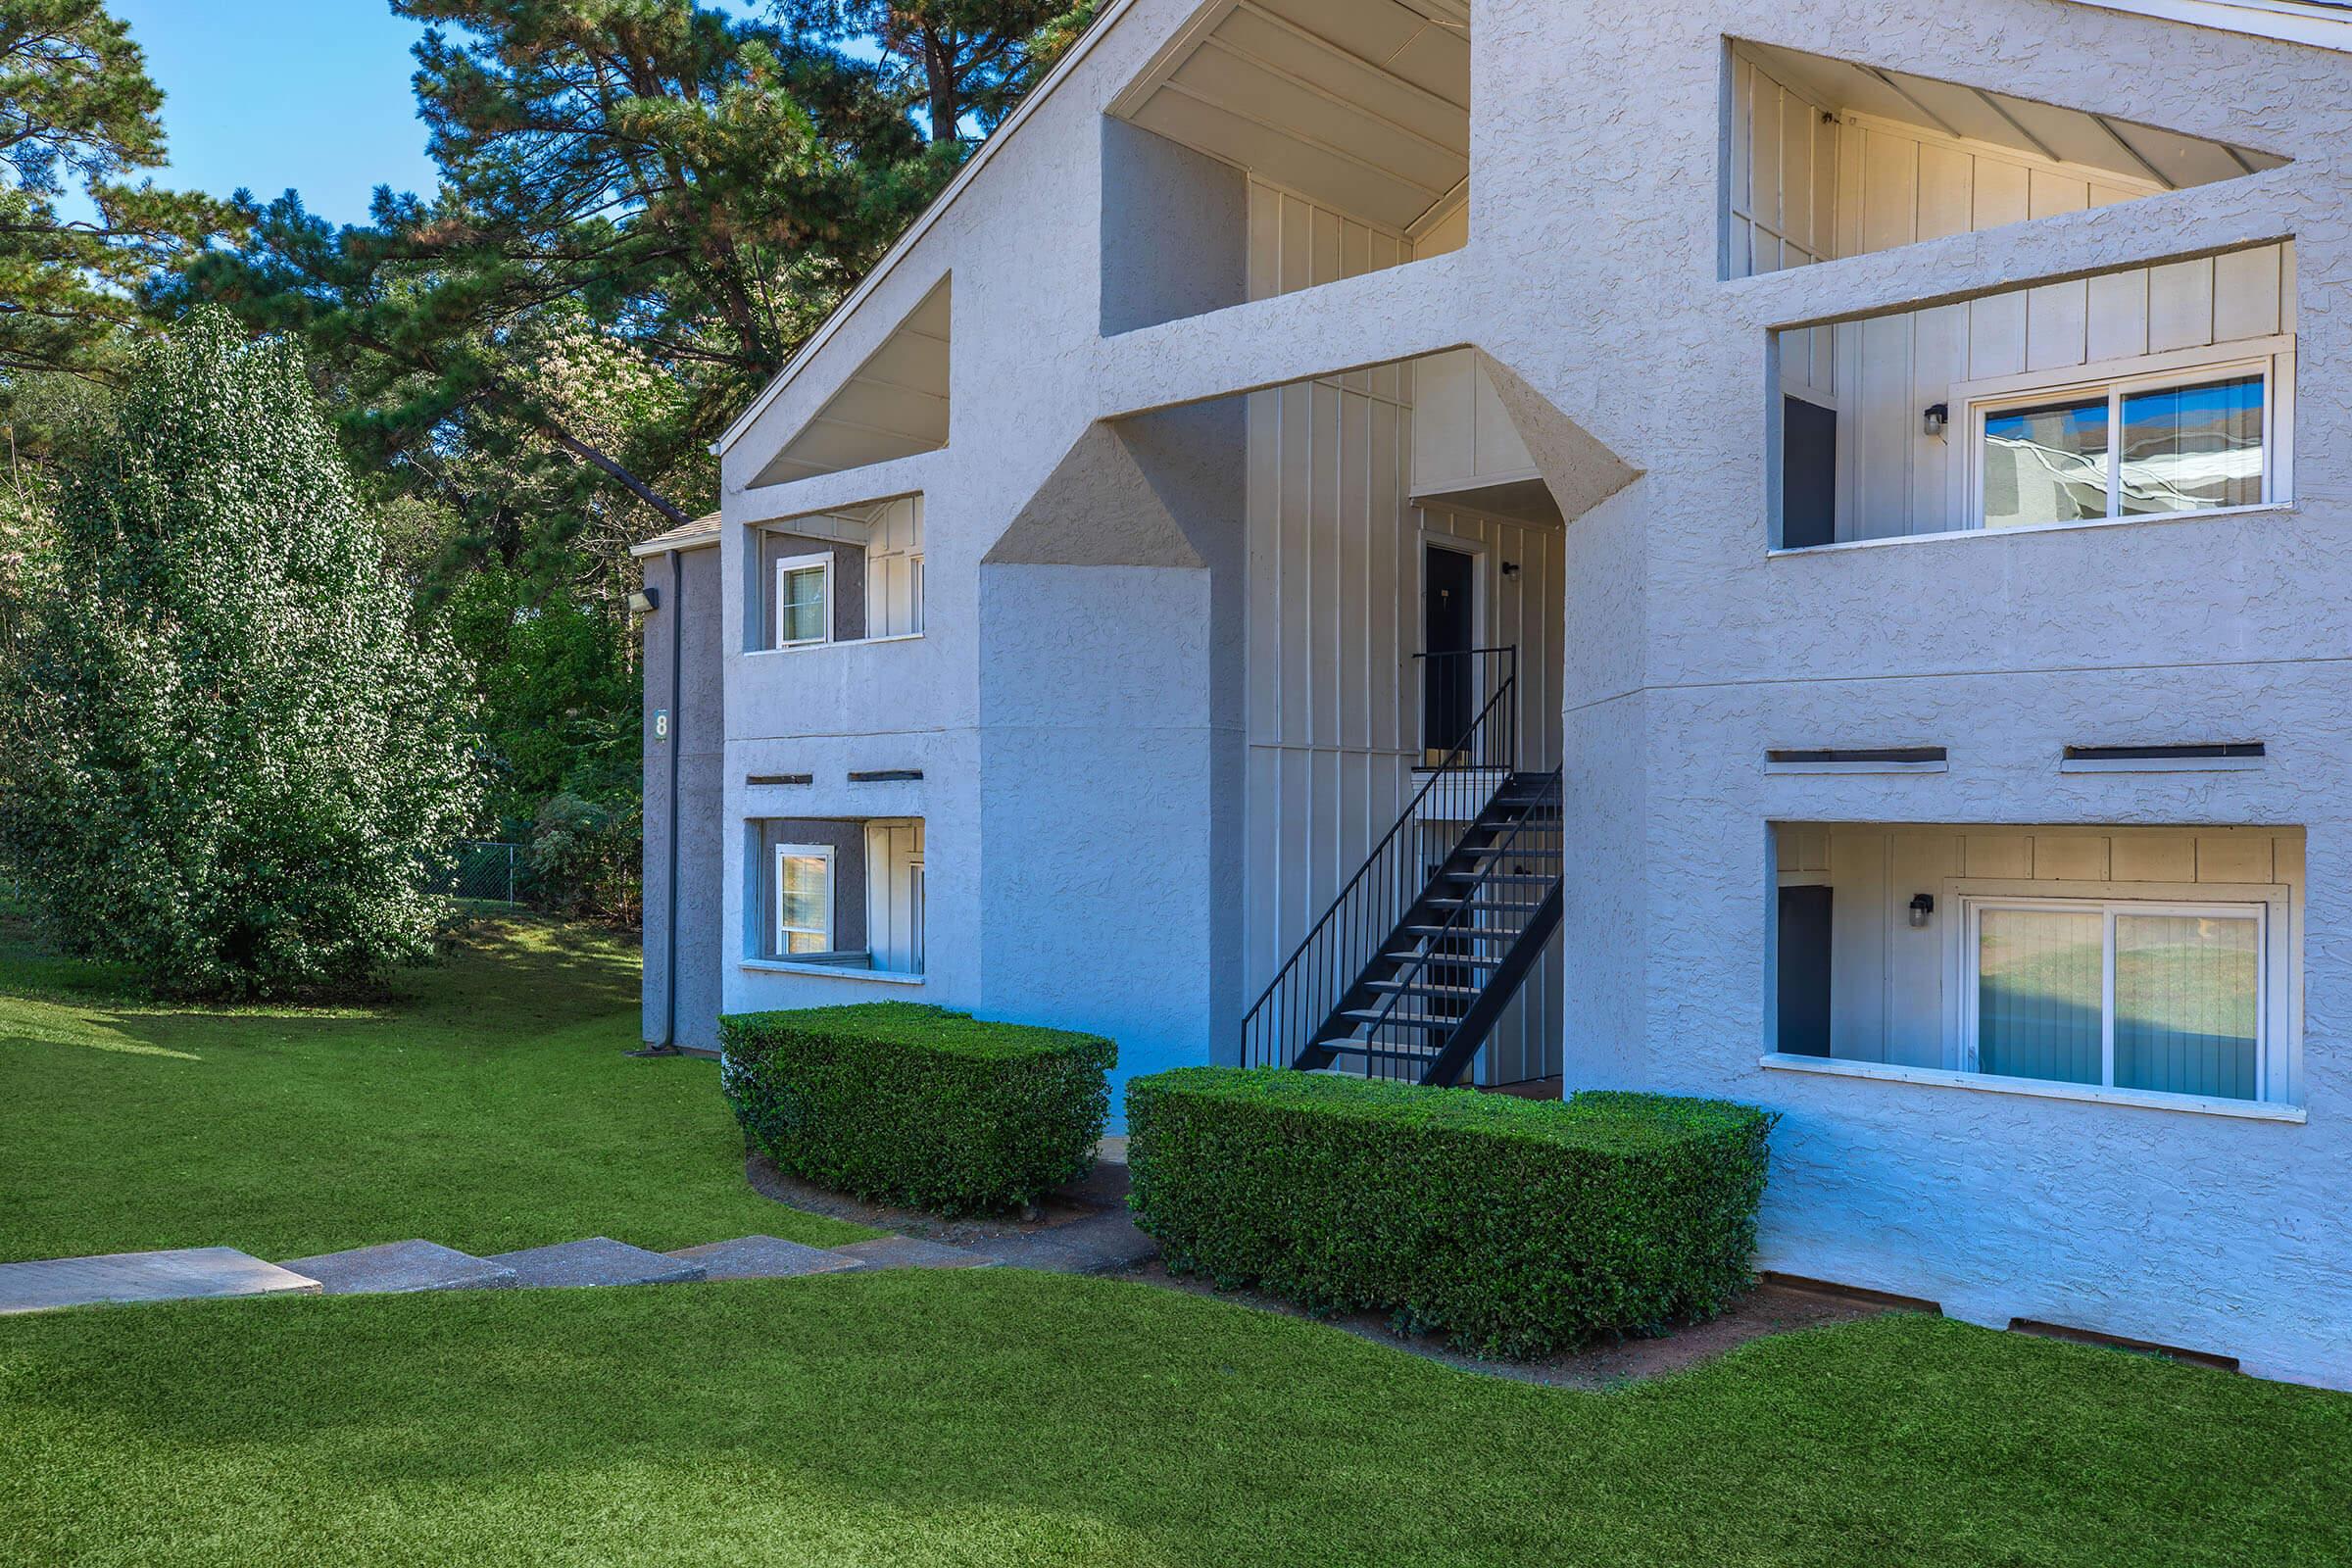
x=1782, y=174
x=1890, y=982
x=1897, y=186
x=1334, y=602
x=1894, y=479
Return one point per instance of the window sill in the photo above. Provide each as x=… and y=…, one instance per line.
x=847, y=642
x=2156, y=519
x=2039, y=1088
x=832, y=971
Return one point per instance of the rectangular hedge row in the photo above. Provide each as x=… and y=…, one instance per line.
x=901, y=1103
x=1513, y=1227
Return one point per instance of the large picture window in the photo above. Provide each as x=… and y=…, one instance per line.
x=2184, y=439
x=2122, y=994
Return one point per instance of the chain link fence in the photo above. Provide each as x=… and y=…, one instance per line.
x=481, y=871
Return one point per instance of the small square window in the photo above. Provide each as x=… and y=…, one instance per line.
x=803, y=601
x=804, y=894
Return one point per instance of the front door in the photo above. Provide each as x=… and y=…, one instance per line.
x=1449, y=631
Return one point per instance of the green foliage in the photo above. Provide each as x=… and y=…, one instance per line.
x=560, y=704
x=78, y=113
x=585, y=858
x=957, y=58
x=916, y=1106
x=226, y=748
x=1514, y=1226
x=645, y=209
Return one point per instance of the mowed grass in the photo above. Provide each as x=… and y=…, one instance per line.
x=1001, y=1417
x=485, y=1103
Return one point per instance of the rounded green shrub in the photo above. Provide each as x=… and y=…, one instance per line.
x=1514, y=1226
x=915, y=1105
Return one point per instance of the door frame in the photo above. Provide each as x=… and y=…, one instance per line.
x=1427, y=539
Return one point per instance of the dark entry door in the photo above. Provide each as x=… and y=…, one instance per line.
x=1805, y=972
x=1449, y=631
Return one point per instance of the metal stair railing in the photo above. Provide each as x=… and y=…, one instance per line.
x=1531, y=829
x=1337, y=950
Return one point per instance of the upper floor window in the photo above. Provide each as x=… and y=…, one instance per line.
x=2174, y=442
x=803, y=601
x=2147, y=392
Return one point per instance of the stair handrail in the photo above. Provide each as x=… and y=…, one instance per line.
x=1498, y=715
x=1554, y=788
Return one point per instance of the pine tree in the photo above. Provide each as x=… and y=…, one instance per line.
x=229, y=751
x=78, y=113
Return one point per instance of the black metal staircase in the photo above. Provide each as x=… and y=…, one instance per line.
x=1408, y=971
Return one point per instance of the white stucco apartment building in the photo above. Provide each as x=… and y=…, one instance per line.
x=1791, y=550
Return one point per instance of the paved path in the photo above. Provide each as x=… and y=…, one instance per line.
x=1082, y=1230
x=144, y=1276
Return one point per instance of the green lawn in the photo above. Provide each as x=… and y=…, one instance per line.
x=485, y=1104
x=1007, y=1417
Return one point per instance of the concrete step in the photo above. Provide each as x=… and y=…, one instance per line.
x=165, y=1276
x=763, y=1257
x=598, y=1261
x=400, y=1266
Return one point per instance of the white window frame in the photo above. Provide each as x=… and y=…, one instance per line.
x=2268, y=906
x=2270, y=358
x=782, y=933
x=785, y=567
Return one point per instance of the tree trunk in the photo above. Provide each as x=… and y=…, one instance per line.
x=939, y=81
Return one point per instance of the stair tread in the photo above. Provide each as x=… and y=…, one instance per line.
x=1403, y=1020
x=1350, y=1046
x=1403, y=988
x=1411, y=955
x=1483, y=933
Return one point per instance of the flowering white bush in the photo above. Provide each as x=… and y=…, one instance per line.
x=227, y=752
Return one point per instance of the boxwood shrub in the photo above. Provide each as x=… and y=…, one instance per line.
x=916, y=1106
x=1513, y=1227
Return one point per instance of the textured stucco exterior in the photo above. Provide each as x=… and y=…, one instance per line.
x=682, y=669
x=1071, y=704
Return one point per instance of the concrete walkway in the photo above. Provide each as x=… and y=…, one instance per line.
x=1082, y=1230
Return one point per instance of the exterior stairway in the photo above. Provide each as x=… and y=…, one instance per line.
x=1428, y=998
x=1408, y=972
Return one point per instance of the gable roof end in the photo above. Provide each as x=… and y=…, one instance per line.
x=923, y=223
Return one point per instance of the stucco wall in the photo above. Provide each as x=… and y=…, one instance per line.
x=1063, y=708
x=689, y=585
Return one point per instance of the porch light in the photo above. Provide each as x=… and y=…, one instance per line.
x=1938, y=417
x=1923, y=905
x=645, y=600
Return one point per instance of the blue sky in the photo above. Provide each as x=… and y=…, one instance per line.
x=268, y=94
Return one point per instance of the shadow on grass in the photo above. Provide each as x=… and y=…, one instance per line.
x=1003, y=1417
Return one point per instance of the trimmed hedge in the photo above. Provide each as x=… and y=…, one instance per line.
x=901, y=1104
x=1513, y=1227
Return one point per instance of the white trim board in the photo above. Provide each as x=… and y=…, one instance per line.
x=2322, y=24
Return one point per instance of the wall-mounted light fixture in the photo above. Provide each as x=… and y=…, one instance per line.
x=1510, y=569
x=645, y=600
x=1923, y=905
x=1938, y=419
